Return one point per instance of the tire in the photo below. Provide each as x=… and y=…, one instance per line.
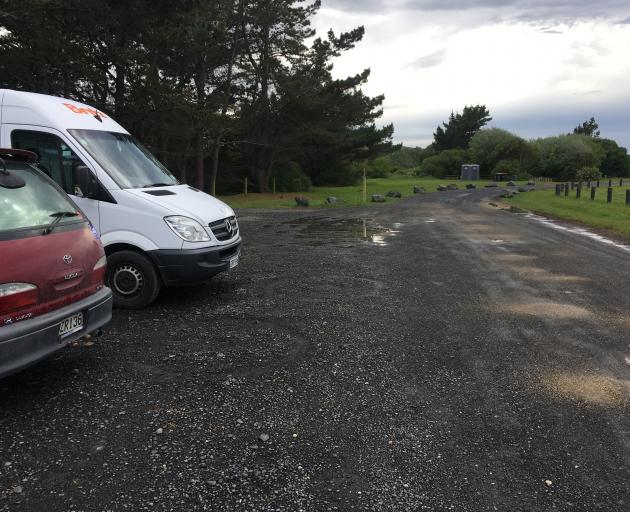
x=133, y=279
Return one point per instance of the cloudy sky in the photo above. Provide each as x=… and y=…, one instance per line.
x=540, y=66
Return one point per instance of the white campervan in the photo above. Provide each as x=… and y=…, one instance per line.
x=155, y=229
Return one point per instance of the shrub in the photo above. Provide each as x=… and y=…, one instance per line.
x=511, y=167
x=588, y=174
x=290, y=178
x=444, y=163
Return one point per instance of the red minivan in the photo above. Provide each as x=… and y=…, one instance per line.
x=52, y=266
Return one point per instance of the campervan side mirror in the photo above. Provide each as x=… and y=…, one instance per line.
x=85, y=180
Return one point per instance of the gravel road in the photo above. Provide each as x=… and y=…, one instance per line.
x=433, y=354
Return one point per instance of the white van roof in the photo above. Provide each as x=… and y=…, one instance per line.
x=30, y=108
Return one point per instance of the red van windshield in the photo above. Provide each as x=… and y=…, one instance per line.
x=36, y=204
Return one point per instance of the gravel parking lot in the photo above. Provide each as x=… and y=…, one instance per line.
x=434, y=354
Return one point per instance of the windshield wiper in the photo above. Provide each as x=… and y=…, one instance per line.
x=57, y=219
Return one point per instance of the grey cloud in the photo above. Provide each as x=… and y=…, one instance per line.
x=528, y=10
x=428, y=61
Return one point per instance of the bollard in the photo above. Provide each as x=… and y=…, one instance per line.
x=578, y=192
x=628, y=197
x=557, y=189
x=609, y=196
x=593, y=194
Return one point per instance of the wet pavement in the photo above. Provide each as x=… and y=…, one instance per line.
x=434, y=354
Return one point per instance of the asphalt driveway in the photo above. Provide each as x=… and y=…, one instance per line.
x=436, y=354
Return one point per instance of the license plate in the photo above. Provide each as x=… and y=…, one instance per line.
x=233, y=262
x=71, y=324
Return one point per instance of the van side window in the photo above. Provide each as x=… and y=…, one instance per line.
x=55, y=158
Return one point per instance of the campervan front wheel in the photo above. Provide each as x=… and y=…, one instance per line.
x=133, y=279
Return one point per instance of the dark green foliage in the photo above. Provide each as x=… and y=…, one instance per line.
x=588, y=174
x=616, y=162
x=589, y=128
x=290, y=178
x=560, y=157
x=491, y=146
x=460, y=129
x=222, y=88
x=400, y=159
x=511, y=167
x=443, y=164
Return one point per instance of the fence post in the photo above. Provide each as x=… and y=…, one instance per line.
x=628, y=197
x=609, y=197
x=245, y=185
x=578, y=191
x=593, y=190
x=566, y=190
x=597, y=183
x=364, y=186
x=557, y=189
x=274, y=184
x=621, y=182
x=588, y=184
x=609, y=183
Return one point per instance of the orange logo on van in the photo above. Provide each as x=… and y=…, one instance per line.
x=85, y=110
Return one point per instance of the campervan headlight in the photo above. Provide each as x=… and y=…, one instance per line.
x=187, y=229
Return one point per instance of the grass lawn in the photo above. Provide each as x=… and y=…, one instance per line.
x=351, y=196
x=598, y=214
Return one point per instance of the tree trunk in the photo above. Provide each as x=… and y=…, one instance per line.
x=215, y=166
x=199, y=158
x=119, y=93
x=214, y=171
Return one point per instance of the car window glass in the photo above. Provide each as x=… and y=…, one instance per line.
x=55, y=157
x=33, y=204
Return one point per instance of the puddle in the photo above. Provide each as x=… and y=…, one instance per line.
x=541, y=274
x=578, y=231
x=322, y=230
x=586, y=387
x=547, y=310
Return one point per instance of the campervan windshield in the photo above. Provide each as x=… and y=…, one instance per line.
x=125, y=160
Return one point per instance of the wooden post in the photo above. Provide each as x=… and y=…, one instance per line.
x=578, y=191
x=245, y=185
x=609, y=197
x=364, y=186
x=557, y=189
x=621, y=182
x=609, y=183
x=274, y=184
x=628, y=197
x=566, y=190
x=593, y=190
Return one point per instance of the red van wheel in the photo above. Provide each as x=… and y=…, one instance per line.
x=133, y=279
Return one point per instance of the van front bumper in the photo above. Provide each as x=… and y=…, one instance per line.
x=186, y=266
x=24, y=343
